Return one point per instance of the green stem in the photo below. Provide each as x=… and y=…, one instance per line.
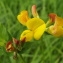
x=22, y=58
x=48, y=23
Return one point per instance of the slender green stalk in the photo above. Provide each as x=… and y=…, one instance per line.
x=22, y=58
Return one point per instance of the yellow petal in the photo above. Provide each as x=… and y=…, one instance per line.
x=26, y=34
x=56, y=31
x=39, y=31
x=23, y=17
x=50, y=29
x=33, y=23
x=59, y=21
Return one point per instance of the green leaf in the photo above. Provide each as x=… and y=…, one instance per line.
x=3, y=35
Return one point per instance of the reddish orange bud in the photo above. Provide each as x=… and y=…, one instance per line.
x=52, y=16
x=15, y=41
x=34, y=11
x=9, y=47
x=23, y=40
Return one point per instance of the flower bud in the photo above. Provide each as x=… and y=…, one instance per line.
x=15, y=41
x=52, y=17
x=34, y=11
x=9, y=47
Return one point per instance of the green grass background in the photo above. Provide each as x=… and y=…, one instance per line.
x=46, y=50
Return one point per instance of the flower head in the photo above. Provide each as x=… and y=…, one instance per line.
x=35, y=27
x=15, y=45
x=56, y=29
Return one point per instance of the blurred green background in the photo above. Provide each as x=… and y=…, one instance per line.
x=46, y=50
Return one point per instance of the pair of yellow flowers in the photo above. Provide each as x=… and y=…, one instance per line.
x=36, y=26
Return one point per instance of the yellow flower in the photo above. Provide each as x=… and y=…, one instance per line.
x=36, y=28
x=56, y=29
